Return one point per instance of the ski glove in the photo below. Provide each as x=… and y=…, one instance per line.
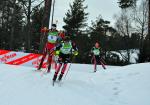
x=57, y=52
x=75, y=53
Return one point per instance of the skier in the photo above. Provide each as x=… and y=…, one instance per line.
x=65, y=51
x=52, y=39
x=96, y=51
x=61, y=35
x=60, y=39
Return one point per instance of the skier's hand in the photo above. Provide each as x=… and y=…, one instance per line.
x=75, y=53
x=44, y=30
x=90, y=55
x=57, y=52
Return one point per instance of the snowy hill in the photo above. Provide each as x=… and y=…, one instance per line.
x=129, y=85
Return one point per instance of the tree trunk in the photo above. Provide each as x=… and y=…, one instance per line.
x=149, y=22
x=148, y=46
x=145, y=52
x=45, y=23
x=28, y=39
x=12, y=27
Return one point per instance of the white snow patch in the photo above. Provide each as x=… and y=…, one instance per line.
x=129, y=85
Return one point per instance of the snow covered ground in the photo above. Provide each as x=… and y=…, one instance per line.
x=129, y=85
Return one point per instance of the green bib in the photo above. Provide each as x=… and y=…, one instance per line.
x=52, y=37
x=96, y=51
x=66, y=48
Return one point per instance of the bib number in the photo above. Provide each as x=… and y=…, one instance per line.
x=52, y=39
x=65, y=50
x=96, y=52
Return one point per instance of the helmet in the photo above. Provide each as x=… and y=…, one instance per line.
x=66, y=38
x=54, y=26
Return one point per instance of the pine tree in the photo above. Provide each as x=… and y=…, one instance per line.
x=76, y=17
x=98, y=30
x=127, y=3
x=36, y=17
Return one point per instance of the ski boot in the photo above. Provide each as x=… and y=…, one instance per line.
x=60, y=77
x=54, y=79
x=49, y=68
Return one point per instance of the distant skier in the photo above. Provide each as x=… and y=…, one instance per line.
x=65, y=50
x=52, y=40
x=96, y=52
x=61, y=35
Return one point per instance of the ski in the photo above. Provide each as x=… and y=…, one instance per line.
x=53, y=83
x=60, y=83
x=37, y=70
x=56, y=82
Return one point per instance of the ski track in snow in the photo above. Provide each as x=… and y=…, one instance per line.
x=127, y=85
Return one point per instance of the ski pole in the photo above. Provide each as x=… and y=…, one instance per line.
x=67, y=71
x=103, y=61
x=103, y=64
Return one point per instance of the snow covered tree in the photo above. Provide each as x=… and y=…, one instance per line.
x=124, y=27
x=145, y=52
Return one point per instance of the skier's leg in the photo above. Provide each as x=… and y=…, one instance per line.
x=95, y=65
x=55, y=61
x=42, y=60
x=62, y=71
x=56, y=72
x=49, y=63
x=50, y=55
x=60, y=77
x=55, y=65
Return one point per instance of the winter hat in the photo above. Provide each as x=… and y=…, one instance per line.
x=54, y=26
